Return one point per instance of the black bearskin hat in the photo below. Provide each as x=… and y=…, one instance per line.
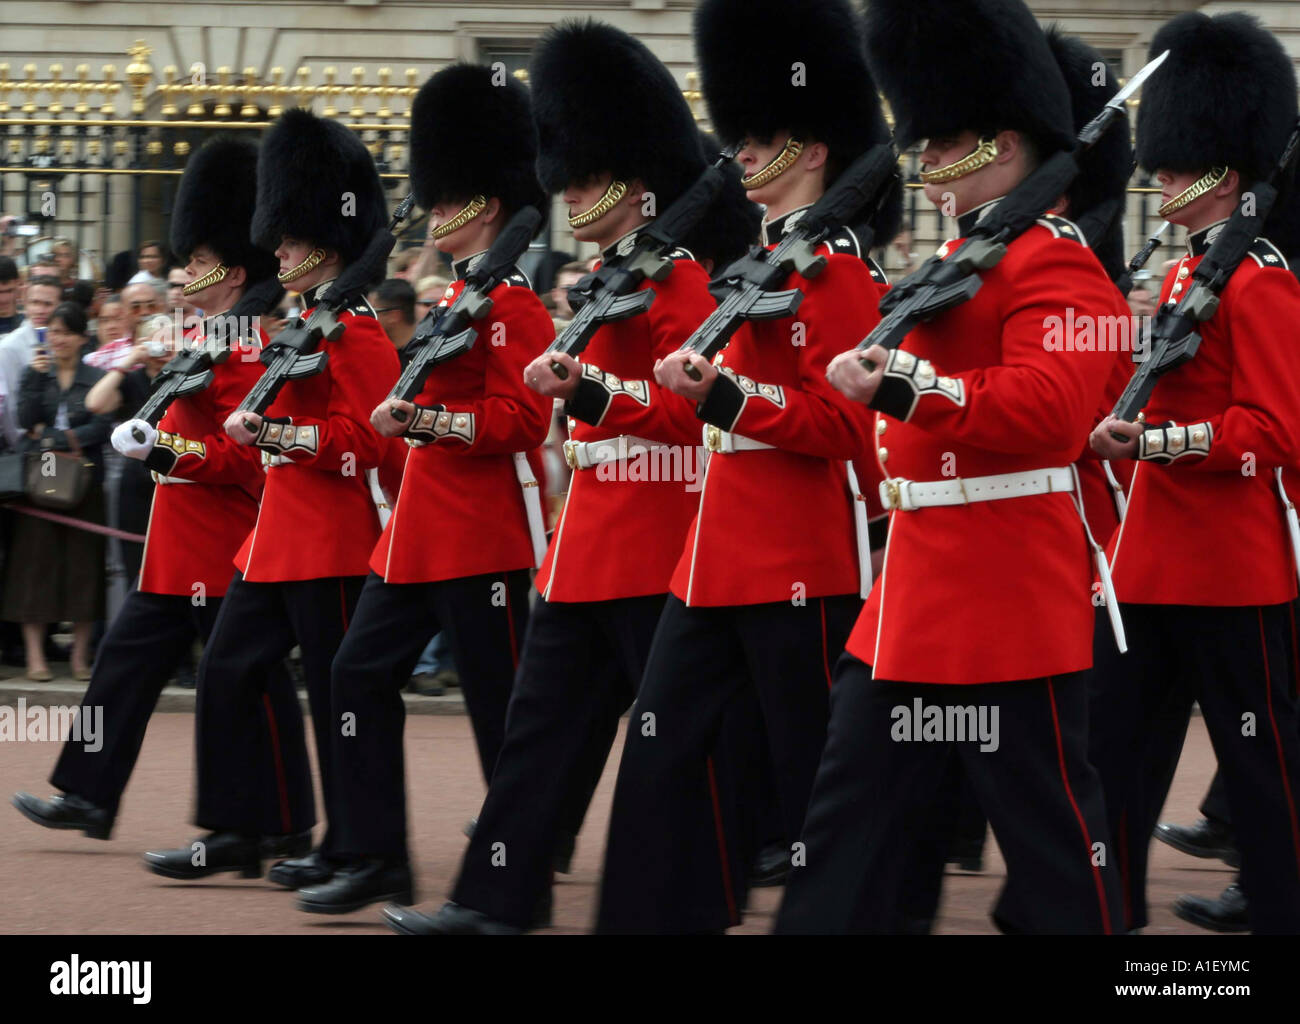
x=1098, y=194
x=947, y=66
x=732, y=223
x=1226, y=95
x=604, y=103
x=214, y=206
x=473, y=134
x=797, y=66
x=317, y=182
x=769, y=66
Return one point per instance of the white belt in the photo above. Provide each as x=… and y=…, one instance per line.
x=1292, y=520
x=909, y=495
x=158, y=478
x=861, y=531
x=378, y=497
x=725, y=442
x=532, y=506
x=1121, y=502
x=589, y=454
x=269, y=460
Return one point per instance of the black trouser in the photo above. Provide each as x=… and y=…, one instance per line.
x=664, y=871
x=484, y=618
x=875, y=790
x=578, y=672
x=258, y=625
x=1239, y=665
x=139, y=653
x=1214, y=805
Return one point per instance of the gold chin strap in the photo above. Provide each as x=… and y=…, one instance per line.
x=612, y=197
x=983, y=155
x=1208, y=182
x=312, y=261
x=471, y=210
x=776, y=167
x=217, y=273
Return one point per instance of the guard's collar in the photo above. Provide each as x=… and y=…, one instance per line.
x=624, y=245
x=776, y=229
x=312, y=295
x=460, y=268
x=966, y=222
x=1199, y=242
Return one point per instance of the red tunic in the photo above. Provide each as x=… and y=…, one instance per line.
x=460, y=511
x=997, y=590
x=318, y=518
x=619, y=536
x=195, y=529
x=777, y=524
x=1209, y=529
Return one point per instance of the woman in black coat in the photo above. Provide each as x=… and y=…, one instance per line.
x=56, y=573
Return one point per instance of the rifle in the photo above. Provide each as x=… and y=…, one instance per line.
x=448, y=334
x=939, y=285
x=610, y=293
x=746, y=290
x=1175, y=333
x=292, y=355
x=1125, y=282
x=191, y=371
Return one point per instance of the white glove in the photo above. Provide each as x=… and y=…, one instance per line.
x=125, y=441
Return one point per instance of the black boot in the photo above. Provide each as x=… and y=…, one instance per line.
x=563, y=862
x=67, y=810
x=293, y=844
x=451, y=919
x=1226, y=914
x=299, y=872
x=1204, y=839
x=770, y=867
x=208, y=855
x=357, y=885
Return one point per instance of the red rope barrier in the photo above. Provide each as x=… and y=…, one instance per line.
x=79, y=524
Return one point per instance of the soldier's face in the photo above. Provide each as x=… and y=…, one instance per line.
x=754, y=155
x=581, y=196
x=1195, y=214
x=949, y=196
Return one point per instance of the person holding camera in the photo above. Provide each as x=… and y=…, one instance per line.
x=56, y=572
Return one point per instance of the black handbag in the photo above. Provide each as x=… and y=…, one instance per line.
x=59, y=480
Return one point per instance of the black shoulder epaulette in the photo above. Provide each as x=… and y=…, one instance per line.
x=1266, y=254
x=362, y=307
x=846, y=240
x=681, y=253
x=1062, y=228
x=518, y=279
x=877, y=272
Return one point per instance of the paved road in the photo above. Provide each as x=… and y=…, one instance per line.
x=61, y=882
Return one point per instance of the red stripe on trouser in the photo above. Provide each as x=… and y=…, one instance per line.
x=1277, y=742
x=732, y=916
x=1083, y=825
x=510, y=622
x=826, y=660
x=274, y=733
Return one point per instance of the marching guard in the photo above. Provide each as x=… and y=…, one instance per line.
x=984, y=603
x=1203, y=566
x=301, y=568
x=618, y=141
x=204, y=504
x=467, y=527
x=771, y=575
